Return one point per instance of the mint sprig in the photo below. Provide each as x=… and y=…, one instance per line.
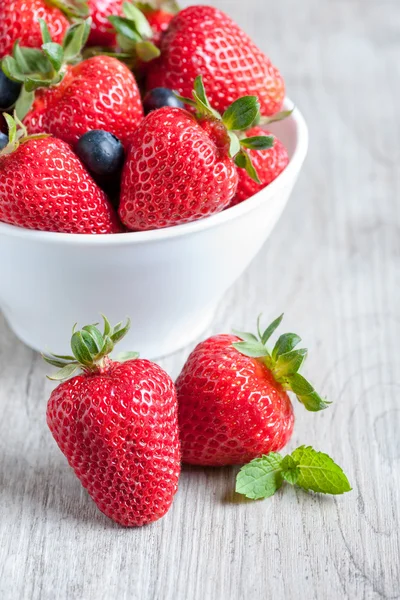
x=304, y=467
x=238, y=117
x=284, y=361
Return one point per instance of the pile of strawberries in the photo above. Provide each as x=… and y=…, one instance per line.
x=118, y=116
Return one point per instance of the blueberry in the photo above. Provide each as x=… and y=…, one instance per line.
x=102, y=153
x=9, y=91
x=160, y=97
x=3, y=140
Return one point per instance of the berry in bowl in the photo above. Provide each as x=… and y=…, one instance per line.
x=105, y=210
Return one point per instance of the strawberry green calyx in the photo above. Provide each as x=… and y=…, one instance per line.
x=169, y=6
x=237, y=118
x=35, y=68
x=90, y=349
x=17, y=134
x=134, y=35
x=72, y=9
x=284, y=362
x=304, y=467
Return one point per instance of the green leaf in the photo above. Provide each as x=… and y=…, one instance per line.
x=319, y=473
x=244, y=335
x=12, y=70
x=55, y=54
x=124, y=356
x=241, y=113
x=97, y=338
x=200, y=90
x=134, y=14
x=261, y=478
x=56, y=362
x=46, y=37
x=116, y=336
x=305, y=393
x=277, y=117
x=107, y=326
x=290, y=470
x=147, y=51
x=234, y=147
x=12, y=128
x=24, y=103
x=252, y=349
x=125, y=28
x=258, y=142
x=90, y=343
x=289, y=363
x=285, y=343
x=80, y=350
x=270, y=329
x=65, y=373
x=243, y=160
x=75, y=39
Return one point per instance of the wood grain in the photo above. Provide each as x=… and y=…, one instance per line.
x=333, y=266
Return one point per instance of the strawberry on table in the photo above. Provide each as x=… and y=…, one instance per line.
x=68, y=99
x=116, y=423
x=44, y=185
x=267, y=163
x=182, y=167
x=203, y=40
x=233, y=400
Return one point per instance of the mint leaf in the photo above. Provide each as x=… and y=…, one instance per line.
x=318, y=472
x=305, y=393
x=290, y=470
x=241, y=114
x=261, y=478
x=252, y=349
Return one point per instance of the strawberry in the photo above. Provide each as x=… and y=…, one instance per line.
x=44, y=185
x=181, y=167
x=102, y=33
x=69, y=100
x=203, y=40
x=233, y=401
x=159, y=17
x=267, y=163
x=19, y=21
x=116, y=423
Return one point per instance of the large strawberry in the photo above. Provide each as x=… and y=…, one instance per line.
x=267, y=163
x=67, y=100
x=19, y=20
x=203, y=40
x=233, y=401
x=181, y=167
x=44, y=185
x=116, y=422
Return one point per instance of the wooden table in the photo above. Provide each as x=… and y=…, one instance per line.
x=333, y=265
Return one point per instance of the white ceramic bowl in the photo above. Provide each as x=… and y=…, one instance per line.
x=168, y=281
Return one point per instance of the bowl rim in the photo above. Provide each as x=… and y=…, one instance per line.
x=155, y=235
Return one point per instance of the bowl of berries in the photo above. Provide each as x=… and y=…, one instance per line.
x=141, y=169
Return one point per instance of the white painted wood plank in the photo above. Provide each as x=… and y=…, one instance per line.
x=332, y=265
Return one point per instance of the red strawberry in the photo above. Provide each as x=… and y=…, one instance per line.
x=44, y=185
x=97, y=93
x=180, y=168
x=19, y=21
x=268, y=164
x=102, y=32
x=159, y=20
x=232, y=396
x=203, y=40
x=117, y=425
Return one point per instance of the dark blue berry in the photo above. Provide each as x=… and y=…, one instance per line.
x=3, y=140
x=160, y=97
x=9, y=91
x=101, y=152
